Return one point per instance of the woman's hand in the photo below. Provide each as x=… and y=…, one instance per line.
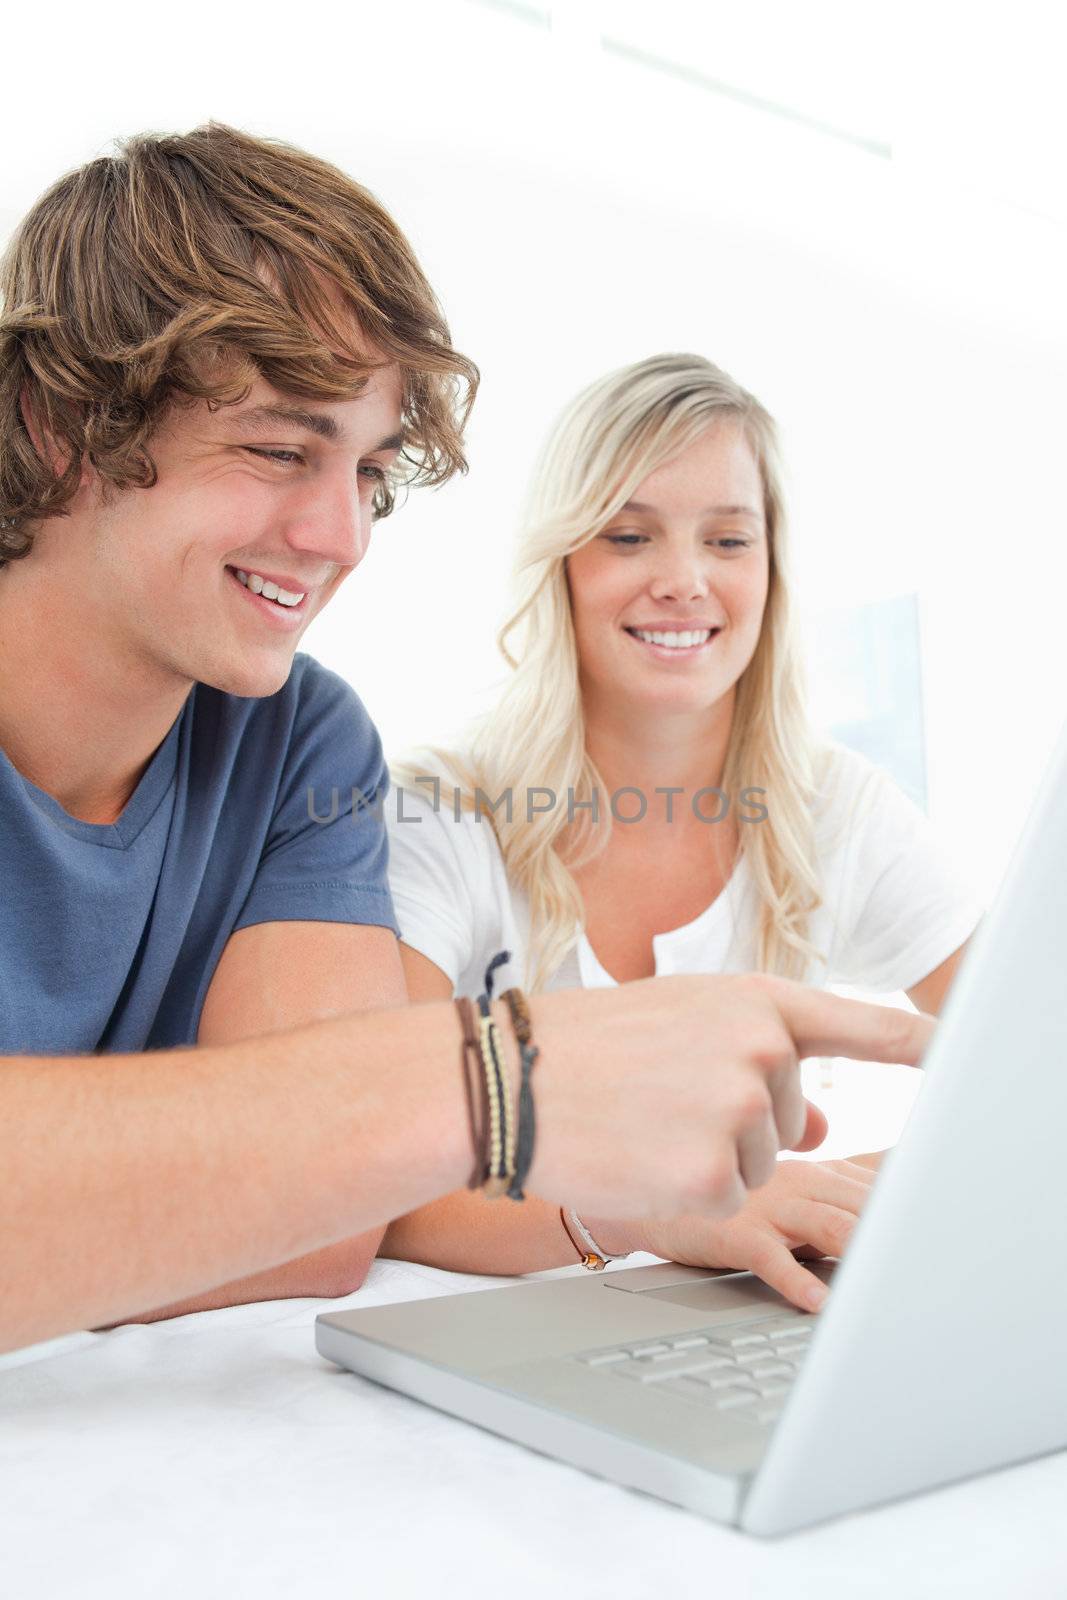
x=808, y=1207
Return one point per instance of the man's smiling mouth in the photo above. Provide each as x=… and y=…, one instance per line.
x=268, y=588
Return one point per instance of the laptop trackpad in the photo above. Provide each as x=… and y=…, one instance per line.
x=735, y=1291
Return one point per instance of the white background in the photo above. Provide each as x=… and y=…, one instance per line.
x=859, y=211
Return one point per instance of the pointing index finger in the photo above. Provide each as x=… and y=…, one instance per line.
x=824, y=1024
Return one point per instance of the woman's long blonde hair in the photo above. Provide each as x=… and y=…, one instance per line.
x=607, y=441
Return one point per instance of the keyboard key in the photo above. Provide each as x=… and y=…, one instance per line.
x=690, y=1342
x=640, y=1350
x=771, y=1369
x=730, y=1399
x=603, y=1358
x=681, y=1367
x=736, y=1341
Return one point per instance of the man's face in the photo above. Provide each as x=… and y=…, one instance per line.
x=276, y=491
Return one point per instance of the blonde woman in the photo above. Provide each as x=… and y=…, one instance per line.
x=647, y=797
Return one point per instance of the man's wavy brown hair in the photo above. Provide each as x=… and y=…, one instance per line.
x=182, y=268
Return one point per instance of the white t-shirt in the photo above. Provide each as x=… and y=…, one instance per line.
x=893, y=906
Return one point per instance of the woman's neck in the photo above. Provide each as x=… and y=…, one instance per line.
x=655, y=752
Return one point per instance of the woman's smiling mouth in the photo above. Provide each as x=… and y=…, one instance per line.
x=674, y=642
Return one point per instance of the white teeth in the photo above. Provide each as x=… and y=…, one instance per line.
x=269, y=591
x=674, y=641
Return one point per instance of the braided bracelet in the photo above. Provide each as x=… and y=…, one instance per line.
x=528, y=1051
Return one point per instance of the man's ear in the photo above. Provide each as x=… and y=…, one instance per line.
x=44, y=442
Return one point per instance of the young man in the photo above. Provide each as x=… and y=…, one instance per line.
x=218, y=356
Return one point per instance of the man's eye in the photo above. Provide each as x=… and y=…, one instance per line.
x=374, y=472
x=285, y=458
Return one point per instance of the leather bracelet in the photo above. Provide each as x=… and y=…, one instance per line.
x=474, y=1084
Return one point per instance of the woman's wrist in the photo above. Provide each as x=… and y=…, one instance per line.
x=615, y=1237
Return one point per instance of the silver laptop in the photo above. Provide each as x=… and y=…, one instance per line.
x=941, y=1351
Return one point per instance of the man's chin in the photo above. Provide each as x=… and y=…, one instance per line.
x=249, y=680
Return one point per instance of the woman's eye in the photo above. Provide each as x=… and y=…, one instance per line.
x=730, y=544
x=628, y=541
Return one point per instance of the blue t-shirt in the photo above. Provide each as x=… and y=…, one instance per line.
x=110, y=933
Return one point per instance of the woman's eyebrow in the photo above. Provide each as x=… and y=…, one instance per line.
x=708, y=511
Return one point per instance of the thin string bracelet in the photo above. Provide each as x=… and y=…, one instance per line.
x=589, y=1258
x=519, y=1011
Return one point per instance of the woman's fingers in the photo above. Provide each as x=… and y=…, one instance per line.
x=856, y=1169
x=825, y=1228
x=814, y=1180
x=820, y=1230
x=771, y=1260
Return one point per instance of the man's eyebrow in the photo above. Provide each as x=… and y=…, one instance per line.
x=708, y=511
x=316, y=422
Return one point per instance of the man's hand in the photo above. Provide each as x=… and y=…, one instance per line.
x=685, y=1088
x=809, y=1207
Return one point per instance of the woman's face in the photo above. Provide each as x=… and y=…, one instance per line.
x=668, y=599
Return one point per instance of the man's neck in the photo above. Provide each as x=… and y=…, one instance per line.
x=79, y=718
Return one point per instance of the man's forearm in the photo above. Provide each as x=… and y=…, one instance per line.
x=129, y=1182
x=337, y=1270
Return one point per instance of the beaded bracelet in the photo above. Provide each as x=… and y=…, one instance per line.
x=500, y=1154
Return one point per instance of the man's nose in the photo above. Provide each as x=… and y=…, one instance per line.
x=333, y=522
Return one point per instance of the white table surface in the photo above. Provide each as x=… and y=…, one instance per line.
x=218, y=1455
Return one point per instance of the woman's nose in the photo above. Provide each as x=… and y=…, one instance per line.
x=680, y=578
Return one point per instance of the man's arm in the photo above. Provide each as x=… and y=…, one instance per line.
x=271, y=977
x=132, y=1181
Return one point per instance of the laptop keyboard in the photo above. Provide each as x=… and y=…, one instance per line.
x=745, y=1368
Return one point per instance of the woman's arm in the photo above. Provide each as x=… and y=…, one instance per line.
x=929, y=993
